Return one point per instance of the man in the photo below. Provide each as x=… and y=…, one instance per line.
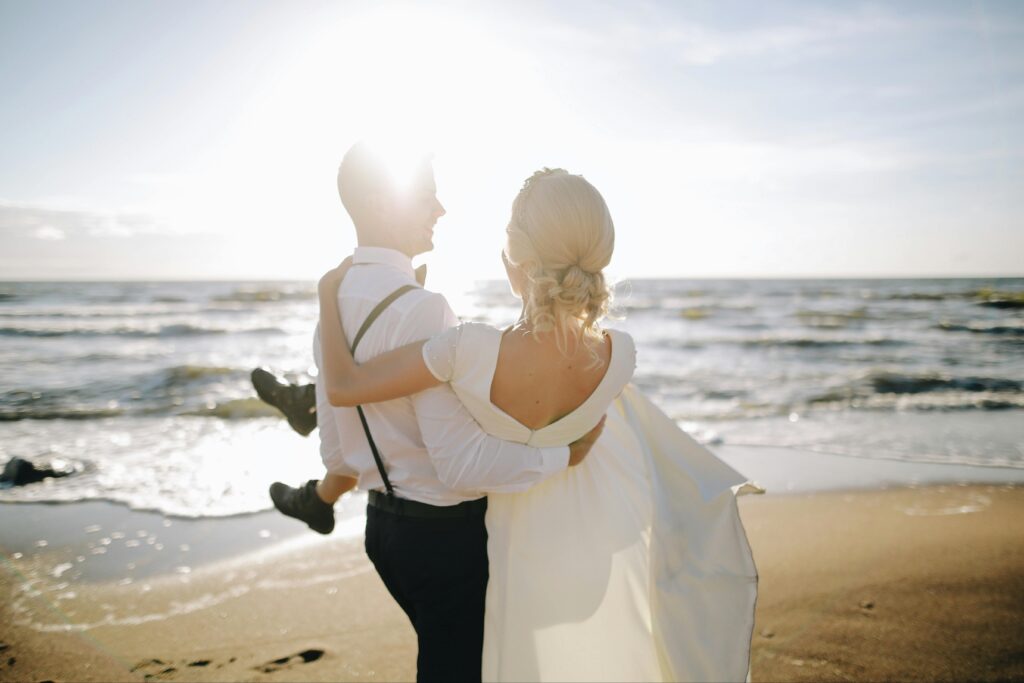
x=428, y=541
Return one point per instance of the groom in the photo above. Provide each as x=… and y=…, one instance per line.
x=428, y=541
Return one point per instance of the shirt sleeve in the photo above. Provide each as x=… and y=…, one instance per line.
x=439, y=353
x=465, y=457
x=326, y=422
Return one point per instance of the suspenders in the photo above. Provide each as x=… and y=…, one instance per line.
x=355, y=342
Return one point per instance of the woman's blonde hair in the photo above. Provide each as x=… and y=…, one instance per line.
x=561, y=236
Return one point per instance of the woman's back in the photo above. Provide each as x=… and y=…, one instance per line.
x=522, y=390
x=536, y=384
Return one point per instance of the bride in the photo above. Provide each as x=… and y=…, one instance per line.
x=633, y=565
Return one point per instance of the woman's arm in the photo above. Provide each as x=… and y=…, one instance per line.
x=394, y=374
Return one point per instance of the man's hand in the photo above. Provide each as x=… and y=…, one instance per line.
x=331, y=280
x=581, y=447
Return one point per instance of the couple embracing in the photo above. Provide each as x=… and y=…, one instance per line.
x=534, y=515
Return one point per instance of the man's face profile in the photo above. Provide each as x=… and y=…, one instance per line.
x=416, y=211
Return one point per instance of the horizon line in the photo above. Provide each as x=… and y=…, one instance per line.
x=99, y=280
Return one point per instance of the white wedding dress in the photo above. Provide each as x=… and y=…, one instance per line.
x=632, y=566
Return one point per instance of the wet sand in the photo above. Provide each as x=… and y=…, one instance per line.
x=901, y=584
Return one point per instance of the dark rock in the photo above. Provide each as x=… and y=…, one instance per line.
x=19, y=472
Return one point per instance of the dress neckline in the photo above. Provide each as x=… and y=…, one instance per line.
x=612, y=357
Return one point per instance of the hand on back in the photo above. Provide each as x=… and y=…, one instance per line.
x=331, y=280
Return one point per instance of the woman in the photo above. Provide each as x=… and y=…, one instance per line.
x=632, y=565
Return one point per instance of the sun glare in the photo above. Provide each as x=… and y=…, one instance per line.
x=413, y=81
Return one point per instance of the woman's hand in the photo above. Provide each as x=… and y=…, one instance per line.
x=331, y=280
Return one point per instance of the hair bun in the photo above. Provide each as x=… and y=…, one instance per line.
x=560, y=222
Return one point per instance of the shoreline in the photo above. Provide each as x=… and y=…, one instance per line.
x=919, y=582
x=98, y=540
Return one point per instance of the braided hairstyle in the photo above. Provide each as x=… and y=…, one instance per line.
x=561, y=236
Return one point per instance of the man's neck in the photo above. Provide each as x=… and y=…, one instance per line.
x=380, y=244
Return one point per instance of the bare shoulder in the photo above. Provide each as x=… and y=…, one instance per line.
x=537, y=384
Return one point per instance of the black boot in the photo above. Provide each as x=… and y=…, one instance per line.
x=297, y=402
x=304, y=504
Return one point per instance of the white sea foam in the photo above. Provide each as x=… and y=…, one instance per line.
x=137, y=383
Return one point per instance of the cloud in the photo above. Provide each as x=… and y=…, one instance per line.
x=48, y=232
x=19, y=220
x=697, y=43
x=809, y=35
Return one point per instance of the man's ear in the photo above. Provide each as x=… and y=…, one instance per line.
x=379, y=206
x=421, y=275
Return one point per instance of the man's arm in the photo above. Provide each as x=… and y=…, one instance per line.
x=330, y=440
x=465, y=456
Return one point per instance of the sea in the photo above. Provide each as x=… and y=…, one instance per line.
x=141, y=389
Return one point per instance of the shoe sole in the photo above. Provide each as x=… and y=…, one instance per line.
x=260, y=376
x=280, y=488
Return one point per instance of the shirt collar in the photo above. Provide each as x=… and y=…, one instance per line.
x=384, y=256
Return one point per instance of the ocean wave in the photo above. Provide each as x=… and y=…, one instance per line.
x=266, y=295
x=981, y=295
x=189, y=373
x=938, y=401
x=231, y=409
x=1003, y=303
x=180, y=379
x=15, y=413
x=686, y=308
x=883, y=389
x=1015, y=327
x=996, y=298
x=236, y=409
x=695, y=312
x=817, y=342
x=168, y=391
x=88, y=312
x=831, y=320
x=174, y=330
x=926, y=296
x=885, y=382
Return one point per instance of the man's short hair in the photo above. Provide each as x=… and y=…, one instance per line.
x=366, y=170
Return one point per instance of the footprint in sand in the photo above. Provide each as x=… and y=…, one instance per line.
x=155, y=669
x=304, y=657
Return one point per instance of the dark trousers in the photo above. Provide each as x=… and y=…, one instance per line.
x=436, y=569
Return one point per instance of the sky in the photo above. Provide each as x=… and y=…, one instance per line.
x=201, y=140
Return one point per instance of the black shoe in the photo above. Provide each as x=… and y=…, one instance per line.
x=297, y=402
x=304, y=504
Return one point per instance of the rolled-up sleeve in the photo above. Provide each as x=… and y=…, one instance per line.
x=466, y=457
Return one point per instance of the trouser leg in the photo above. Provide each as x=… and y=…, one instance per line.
x=437, y=571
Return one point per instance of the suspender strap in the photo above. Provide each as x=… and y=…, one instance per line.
x=374, y=314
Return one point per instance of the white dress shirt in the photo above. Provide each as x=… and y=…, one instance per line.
x=433, y=450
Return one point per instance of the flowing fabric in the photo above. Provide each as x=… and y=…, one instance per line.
x=633, y=565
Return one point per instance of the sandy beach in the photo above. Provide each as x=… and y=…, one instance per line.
x=907, y=583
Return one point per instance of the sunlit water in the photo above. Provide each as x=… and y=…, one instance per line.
x=143, y=388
